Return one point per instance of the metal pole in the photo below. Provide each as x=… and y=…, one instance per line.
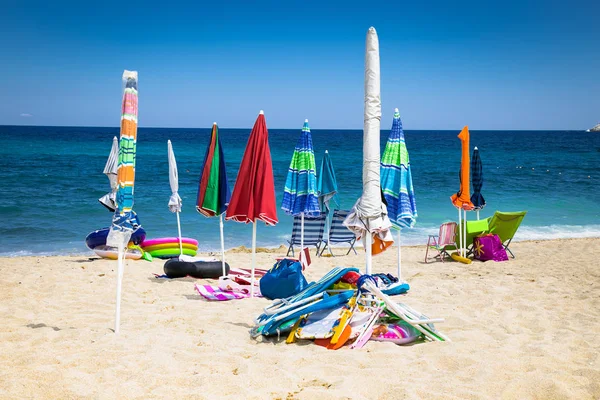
x=369, y=251
x=399, y=259
x=179, y=232
x=465, y=233
x=222, y=244
x=301, y=234
x=120, y=258
x=253, y=258
x=459, y=232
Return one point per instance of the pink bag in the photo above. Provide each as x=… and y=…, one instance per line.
x=489, y=247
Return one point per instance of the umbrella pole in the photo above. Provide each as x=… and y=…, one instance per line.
x=222, y=244
x=253, y=258
x=301, y=234
x=477, y=215
x=399, y=259
x=120, y=258
x=465, y=233
x=459, y=232
x=179, y=231
x=369, y=251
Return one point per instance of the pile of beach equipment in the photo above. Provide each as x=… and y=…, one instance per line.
x=345, y=308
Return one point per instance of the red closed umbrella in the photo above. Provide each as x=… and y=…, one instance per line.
x=253, y=196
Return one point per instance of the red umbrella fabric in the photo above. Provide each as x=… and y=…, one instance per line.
x=253, y=196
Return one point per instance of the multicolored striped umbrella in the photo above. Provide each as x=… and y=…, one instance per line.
x=213, y=189
x=477, y=179
x=300, y=195
x=396, y=179
x=396, y=183
x=125, y=220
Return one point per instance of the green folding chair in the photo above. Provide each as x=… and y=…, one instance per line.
x=505, y=225
x=474, y=228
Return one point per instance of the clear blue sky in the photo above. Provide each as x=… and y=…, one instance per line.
x=489, y=65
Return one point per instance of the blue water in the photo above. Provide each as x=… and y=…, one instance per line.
x=51, y=179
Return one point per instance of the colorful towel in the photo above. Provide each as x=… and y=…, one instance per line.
x=211, y=292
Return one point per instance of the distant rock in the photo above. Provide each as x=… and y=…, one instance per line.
x=595, y=129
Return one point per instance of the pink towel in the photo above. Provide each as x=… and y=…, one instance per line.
x=211, y=292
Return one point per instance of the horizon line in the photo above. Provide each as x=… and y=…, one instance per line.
x=312, y=129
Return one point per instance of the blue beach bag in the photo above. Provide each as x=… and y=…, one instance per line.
x=285, y=279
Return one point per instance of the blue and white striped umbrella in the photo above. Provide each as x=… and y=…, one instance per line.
x=300, y=196
x=396, y=179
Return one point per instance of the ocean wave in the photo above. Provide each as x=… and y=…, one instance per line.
x=409, y=237
x=557, y=232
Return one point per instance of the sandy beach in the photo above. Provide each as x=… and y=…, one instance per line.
x=520, y=329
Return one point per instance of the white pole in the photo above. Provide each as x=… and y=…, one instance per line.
x=369, y=250
x=253, y=258
x=477, y=215
x=120, y=258
x=459, y=232
x=465, y=235
x=399, y=259
x=222, y=244
x=179, y=232
x=301, y=234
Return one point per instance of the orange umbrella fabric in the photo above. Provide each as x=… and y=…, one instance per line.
x=462, y=199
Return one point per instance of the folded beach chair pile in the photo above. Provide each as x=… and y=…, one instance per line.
x=345, y=308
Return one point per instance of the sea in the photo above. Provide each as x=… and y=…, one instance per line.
x=51, y=179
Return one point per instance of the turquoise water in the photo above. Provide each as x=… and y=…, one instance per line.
x=52, y=179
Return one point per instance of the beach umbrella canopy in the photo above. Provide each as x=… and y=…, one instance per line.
x=125, y=220
x=396, y=179
x=213, y=188
x=396, y=183
x=300, y=195
x=477, y=178
x=175, y=200
x=327, y=184
x=462, y=198
x=368, y=218
x=253, y=196
x=110, y=170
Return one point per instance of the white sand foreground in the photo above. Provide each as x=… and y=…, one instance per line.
x=522, y=329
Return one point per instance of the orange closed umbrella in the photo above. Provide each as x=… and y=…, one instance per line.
x=462, y=199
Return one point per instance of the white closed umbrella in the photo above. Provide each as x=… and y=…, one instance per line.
x=368, y=218
x=110, y=170
x=175, y=199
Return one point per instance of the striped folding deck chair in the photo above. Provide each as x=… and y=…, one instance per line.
x=313, y=232
x=444, y=242
x=338, y=233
